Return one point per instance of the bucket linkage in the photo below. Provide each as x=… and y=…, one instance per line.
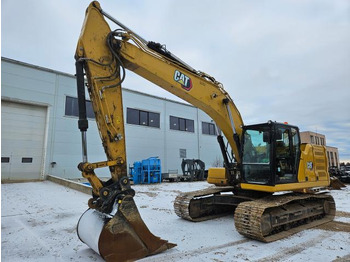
x=113, y=226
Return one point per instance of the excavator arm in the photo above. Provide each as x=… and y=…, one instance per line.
x=112, y=226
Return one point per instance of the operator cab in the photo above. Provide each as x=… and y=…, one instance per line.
x=270, y=154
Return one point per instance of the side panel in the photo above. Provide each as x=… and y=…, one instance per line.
x=313, y=164
x=217, y=176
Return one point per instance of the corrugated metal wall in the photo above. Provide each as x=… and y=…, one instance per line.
x=23, y=83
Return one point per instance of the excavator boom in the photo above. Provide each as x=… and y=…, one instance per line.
x=197, y=88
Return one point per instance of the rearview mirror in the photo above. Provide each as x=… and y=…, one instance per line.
x=266, y=137
x=278, y=134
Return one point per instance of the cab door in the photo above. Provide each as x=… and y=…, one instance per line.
x=287, y=151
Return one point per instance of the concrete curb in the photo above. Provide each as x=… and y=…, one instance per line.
x=71, y=184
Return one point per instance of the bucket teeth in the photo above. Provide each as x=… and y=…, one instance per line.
x=126, y=237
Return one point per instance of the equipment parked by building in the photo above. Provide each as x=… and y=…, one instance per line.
x=259, y=159
x=346, y=169
x=193, y=169
x=172, y=176
x=146, y=171
x=340, y=174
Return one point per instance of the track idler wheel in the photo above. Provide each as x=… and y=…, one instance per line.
x=123, y=237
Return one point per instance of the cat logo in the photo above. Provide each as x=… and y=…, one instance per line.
x=184, y=80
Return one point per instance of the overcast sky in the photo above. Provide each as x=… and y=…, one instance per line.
x=286, y=61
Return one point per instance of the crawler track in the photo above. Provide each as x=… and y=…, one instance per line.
x=276, y=217
x=266, y=219
x=198, y=205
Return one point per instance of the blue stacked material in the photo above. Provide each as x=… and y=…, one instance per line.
x=151, y=169
x=147, y=171
x=136, y=172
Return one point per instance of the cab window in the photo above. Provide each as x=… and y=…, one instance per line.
x=256, y=156
x=287, y=148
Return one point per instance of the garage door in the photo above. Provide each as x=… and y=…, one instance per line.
x=22, y=141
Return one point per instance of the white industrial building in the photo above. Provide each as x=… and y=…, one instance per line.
x=40, y=135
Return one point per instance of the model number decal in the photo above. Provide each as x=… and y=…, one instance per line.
x=184, y=80
x=309, y=165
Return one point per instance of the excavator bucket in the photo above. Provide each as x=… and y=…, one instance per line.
x=124, y=237
x=335, y=183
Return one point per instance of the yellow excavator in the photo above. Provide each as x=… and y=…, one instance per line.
x=270, y=181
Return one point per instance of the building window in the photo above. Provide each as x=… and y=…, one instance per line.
x=332, y=159
x=208, y=129
x=142, y=118
x=312, y=139
x=317, y=140
x=133, y=116
x=329, y=160
x=182, y=124
x=72, y=108
x=5, y=160
x=322, y=141
x=27, y=160
x=336, y=158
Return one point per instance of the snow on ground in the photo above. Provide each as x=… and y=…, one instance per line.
x=39, y=224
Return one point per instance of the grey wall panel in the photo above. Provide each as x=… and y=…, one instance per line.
x=32, y=84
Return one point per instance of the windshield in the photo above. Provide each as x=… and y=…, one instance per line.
x=255, y=149
x=256, y=156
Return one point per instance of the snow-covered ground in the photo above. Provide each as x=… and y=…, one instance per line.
x=38, y=222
